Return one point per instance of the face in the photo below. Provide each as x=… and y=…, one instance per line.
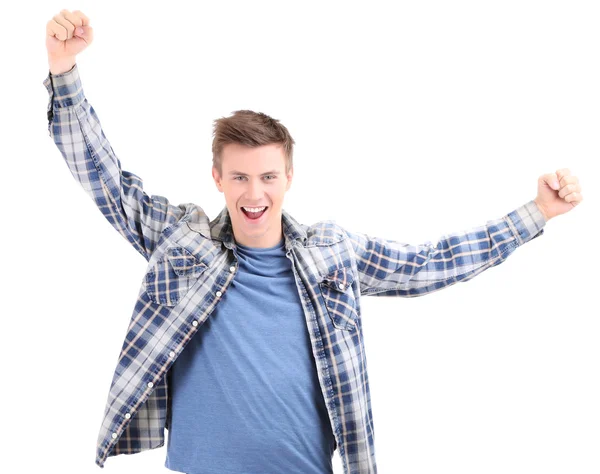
x=255, y=178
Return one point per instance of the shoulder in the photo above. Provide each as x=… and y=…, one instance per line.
x=325, y=232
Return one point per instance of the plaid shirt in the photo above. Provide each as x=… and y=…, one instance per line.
x=191, y=264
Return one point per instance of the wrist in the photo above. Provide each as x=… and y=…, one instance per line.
x=542, y=210
x=60, y=66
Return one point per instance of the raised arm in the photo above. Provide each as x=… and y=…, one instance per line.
x=75, y=128
x=391, y=268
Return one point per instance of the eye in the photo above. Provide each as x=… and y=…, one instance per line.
x=236, y=177
x=270, y=176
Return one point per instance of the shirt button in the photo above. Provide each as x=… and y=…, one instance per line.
x=195, y=323
x=128, y=415
x=219, y=293
x=232, y=269
x=114, y=435
x=171, y=354
x=341, y=286
x=150, y=384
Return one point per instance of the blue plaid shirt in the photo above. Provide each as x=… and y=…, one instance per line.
x=191, y=265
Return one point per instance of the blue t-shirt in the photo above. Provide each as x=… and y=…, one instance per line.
x=245, y=397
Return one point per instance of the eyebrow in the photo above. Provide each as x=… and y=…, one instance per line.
x=239, y=173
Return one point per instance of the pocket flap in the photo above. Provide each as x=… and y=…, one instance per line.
x=184, y=262
x=340, y=279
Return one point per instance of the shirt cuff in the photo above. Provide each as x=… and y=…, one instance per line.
x=64, y=89
x=526, y=222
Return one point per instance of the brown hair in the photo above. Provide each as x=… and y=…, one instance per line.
x=253, y=129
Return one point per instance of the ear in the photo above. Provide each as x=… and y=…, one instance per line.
x=217, y=178
x=290, y=175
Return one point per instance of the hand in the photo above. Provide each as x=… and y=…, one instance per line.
x=67, y=34
x=558, y=193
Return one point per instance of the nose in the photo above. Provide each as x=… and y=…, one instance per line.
x=254, y=191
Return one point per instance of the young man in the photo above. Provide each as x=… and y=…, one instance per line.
x=275, y=380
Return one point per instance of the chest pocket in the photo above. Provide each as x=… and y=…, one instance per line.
x=336, y=289
x=168, y=281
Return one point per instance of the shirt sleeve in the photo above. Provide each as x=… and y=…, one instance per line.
x=391, y=268
x=76, y=130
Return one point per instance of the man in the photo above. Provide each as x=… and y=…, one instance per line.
x=275, y=380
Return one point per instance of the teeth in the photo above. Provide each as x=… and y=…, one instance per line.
x=254, y=209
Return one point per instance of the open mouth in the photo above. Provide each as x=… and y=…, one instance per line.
x=254, y=213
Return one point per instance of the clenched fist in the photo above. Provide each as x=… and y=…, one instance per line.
x=67, y=34
x=558, y=193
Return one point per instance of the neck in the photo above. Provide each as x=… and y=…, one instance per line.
x=259, y=241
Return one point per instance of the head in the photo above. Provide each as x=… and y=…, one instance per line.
x=252, y=167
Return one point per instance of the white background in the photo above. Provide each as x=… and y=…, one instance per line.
x=412, y=120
